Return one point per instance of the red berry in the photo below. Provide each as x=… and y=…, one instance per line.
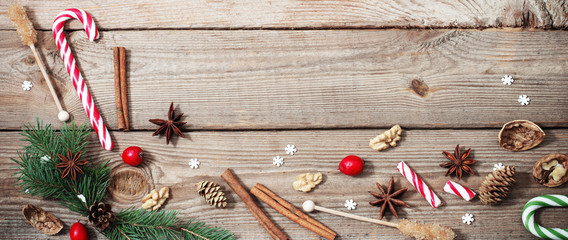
x=133, y=155
x=351, y=165
x=78, y=232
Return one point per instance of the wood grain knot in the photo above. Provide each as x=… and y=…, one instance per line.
x=128, y=184
x=29, y=60
x=419, y=87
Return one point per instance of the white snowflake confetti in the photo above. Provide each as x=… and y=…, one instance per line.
x=498, y=166
x=507, y=80
x=194, y=163
x=27, y=85
x=27, y=191
x=468, y=218
x=350, y=204
x=290, y=149
x=80, y=196
x=278, y=161
x=45, y=159
x=524, y=100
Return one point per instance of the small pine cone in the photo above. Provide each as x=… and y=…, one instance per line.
x=496, y=186
x=100, y=215
x=212, y=193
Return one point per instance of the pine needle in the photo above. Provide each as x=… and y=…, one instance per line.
x=20, y=19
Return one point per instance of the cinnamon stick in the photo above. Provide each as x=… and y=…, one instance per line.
x=324, y=232
x=264, y=221
x=291, y=207
x=123, y=88
x=117, y=89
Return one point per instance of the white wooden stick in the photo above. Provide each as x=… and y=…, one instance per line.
x=63, y=115
x=309, y=206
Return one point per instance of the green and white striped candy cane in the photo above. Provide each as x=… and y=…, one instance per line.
x=554, y=200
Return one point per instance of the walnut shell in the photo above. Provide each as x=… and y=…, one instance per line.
x=550, y=170
x=41, y=220
x=520, y=135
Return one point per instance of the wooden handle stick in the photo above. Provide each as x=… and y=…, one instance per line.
x=28, y=34
x=407, y=227
x=310, y=206
x=62, y=115
x=270, y=227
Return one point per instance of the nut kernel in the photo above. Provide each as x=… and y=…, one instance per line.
x=558, y=173
x=548, y=165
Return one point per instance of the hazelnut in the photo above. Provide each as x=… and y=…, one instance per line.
x=550, y=170
x=520, y=135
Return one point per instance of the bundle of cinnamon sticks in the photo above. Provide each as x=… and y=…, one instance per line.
x=120, y=88
x=282, y=206
x=288, y=210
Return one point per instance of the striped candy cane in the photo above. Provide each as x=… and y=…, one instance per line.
x=75, y=74
x=421, y=186
x=553, y=200
x=459, y=190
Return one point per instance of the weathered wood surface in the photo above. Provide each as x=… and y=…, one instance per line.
x=181, y=14
x=302, y=79
x=249, y=154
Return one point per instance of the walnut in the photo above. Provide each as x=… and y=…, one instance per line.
x=41, y=220
x=305, y=182
x=386, y=139
x=155, y=199
x=550, y=170
x=520, y=135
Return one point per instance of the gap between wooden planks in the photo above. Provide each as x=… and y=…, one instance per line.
x=249, y=154
x=294, y=14
x=231, y=80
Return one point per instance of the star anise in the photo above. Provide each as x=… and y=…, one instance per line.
x=71, y=163
x=169, y=126
x=458, y=162
x=388, y=199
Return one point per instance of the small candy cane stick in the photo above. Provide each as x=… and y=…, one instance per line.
x=459, y=190
x=421, y=186
x=75, y=74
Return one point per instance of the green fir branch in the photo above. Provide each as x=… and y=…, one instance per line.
x=74, y=138
x=39, y=178
x=92, y=185
x=43, y=140
x=141, y=224
x=43, y=178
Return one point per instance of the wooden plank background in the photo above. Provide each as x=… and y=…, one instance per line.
x=251, y=14
x=253, y=76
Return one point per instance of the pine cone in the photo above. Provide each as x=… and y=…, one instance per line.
x=212, y=193
x=100, y=215
x=497, y=185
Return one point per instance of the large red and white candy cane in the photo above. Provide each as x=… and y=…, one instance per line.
x=69, y=61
